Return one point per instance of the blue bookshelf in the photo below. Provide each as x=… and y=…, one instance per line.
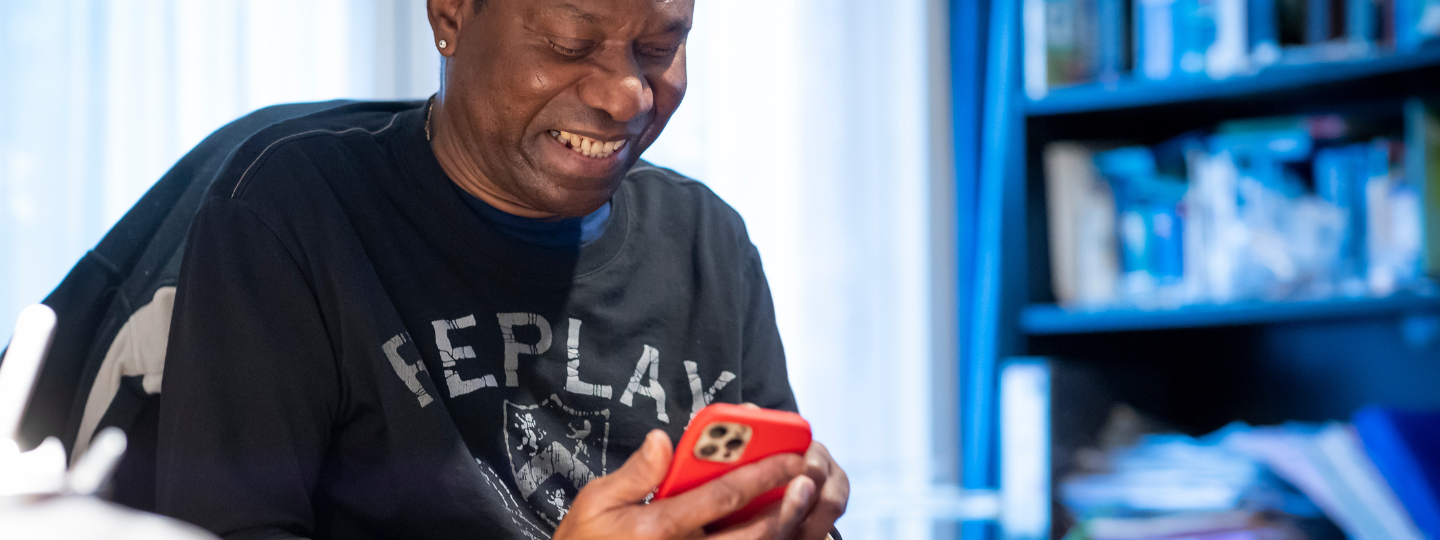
x=1377, y=73
x=1255, y=361
x=1049, y=319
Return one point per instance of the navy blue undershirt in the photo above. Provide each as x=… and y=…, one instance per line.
x=556, y=234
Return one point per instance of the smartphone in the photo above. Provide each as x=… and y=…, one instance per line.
x=723, y=437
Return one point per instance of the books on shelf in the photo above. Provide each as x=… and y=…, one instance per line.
x=1149, y=224
x=1416, y=21
x=1125, y=476
x=1292, y=208
x=1181, y=525
x=1374, y=480
x=1423, y=163
x=1069, y=42
x=1366, y=504
x=1405, y=446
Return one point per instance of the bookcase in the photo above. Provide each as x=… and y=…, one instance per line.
x=1196, y=367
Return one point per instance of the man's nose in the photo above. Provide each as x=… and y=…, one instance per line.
x=619, y=88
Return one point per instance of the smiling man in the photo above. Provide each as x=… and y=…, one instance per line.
x=480, y=316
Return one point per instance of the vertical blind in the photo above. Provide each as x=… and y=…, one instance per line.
x=813, y=118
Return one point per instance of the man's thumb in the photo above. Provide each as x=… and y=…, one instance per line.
x=645, y=469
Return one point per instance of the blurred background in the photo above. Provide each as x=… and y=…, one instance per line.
x=1081, y=269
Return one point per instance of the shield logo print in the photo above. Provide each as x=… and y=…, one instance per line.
x=554, y=451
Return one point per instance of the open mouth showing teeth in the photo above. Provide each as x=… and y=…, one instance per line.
x=586, y=146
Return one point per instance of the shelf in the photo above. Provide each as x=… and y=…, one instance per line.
x=1048, y=319
x=1272, y=82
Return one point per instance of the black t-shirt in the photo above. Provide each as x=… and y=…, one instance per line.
x=561, y=233
x=355, y=353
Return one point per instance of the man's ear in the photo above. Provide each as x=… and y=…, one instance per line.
x=446, y=19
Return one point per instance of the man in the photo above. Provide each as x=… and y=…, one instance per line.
x=457, y=319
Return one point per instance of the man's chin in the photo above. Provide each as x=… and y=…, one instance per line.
x=569, y=199
x=571, y=195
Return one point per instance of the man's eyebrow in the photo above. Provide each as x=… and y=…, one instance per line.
x=576, y=13
x=677, y=25
x=573, y=11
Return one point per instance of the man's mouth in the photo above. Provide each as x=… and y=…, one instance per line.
x=586, y=146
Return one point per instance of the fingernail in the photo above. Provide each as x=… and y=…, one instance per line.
x=807, y=490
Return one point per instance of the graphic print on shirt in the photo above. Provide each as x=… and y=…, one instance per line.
x=449, y=355
x=699, y=397
x=408, y=370
x=514, y=348
x=554, y=451
x=521, y=516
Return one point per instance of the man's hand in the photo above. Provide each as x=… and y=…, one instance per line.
x=819, y=518
x=610, y=507
x=834, y=490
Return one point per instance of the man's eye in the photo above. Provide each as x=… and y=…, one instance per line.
x=658, y=52
x=567, y=51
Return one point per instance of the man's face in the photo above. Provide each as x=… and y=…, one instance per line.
x=533, y=84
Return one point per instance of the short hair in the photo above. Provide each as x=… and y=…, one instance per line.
x=479, y=5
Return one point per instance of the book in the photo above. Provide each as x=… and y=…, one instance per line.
x=1081, y=214
x=1155, y=47
x=1405, y=447
x=1168, y=525
x=1064, y=55
x=1393, y=228
x=1370, y=507
x=1423, y=169
x=1385, y=24
x=1318, y=28
x=1337, y=175
x=1416, y=21
x=1262, y=23
x=1291, y=18
x=1362, y=26
x=1111, y=21
x=1069, y=42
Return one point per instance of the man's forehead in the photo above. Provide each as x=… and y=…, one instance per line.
x=671, y=14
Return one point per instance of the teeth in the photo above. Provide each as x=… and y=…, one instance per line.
x=586, y=146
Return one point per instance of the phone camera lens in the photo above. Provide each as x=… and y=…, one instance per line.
x=708, y=450
x=734, y=444
x=718, y=431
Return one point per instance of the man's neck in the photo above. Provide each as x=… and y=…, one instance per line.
x=449, y=141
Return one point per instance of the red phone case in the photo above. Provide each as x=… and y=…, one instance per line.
x=772, y=432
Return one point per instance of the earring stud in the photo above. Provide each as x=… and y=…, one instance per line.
x=443, y=44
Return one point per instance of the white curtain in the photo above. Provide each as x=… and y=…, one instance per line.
x=812, y=117
x=98, y=98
